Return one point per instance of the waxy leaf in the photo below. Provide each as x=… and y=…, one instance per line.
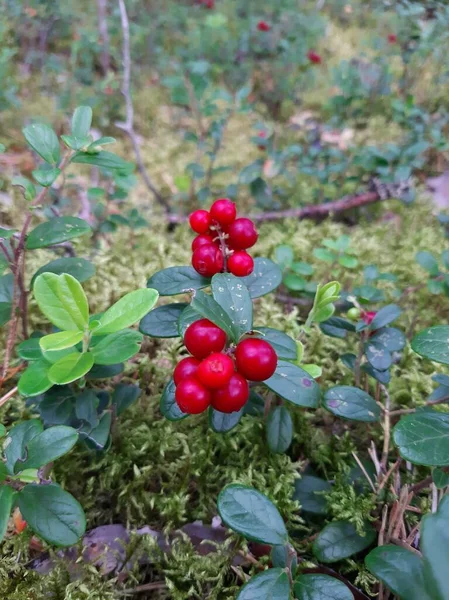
x=351, y=403
x=390, y=338
x=423, y=438
x=44, y=141
x=279, y=429
x=18, y=439
x=309, y=491
x=60, y=340
x=252, y=514
x=168, y=404
x=79, y=268
x=435, y=549
x=187, y=317
x=62, y=300
x=294, y=384
x=384, y=316
x=6, y=499
x=223, y=422
x=433, y=343
x=86, y=406
x=265, y=278
x=35, y=380
x=177, y=280
x=163, y=321
x=103, y=159
x=207, y=307
x=47, y=446
x=284, y=346
x=117, y=347
x=71, y=367
x=52, y=513
x=127, y=311
x=124, y=395
x=340, y=540
x=30, y=349
x=378, y=356
x=46, y=177
x=55, y=231
x=272, y=584
x=314, y=586
x=233, y=296
x=81, y=121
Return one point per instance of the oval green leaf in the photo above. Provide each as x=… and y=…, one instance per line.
x=48, y=446
x=55, y=231
x=233, y=296
x=35, y=380
x=340, y=540
x=265, y=278
x=351, y=403
x=279, y=429
x=168, y=405
x=423, y=438
x=71, y=367
x=294, y=384
x=272, y=584
x=127, y=311
x=18, y=438
x=62, y=300
x=378, y=356
x=384, y=316
x=321, y=587
x=207, y=307
x=79, y=268
x=177, y=280
x=117, y=347
x=433, y=343
x=284, y=346
x=6, y=499
x=309, y=491
x=60, y=340
x=44, y=141
x=223, y=422
x=162, y=322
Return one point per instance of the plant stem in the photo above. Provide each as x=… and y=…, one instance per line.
x=387, y=425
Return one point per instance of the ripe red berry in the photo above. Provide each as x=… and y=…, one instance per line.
x=187, y=367
x=202, y=240
x=242, y=234
x=203, y=337
x=192, y=397
x=263, y=26
x=240, y=263
x=223, y=211
x=314, y=57
x=392, y=38
x=215, y=370
x=255, y=359
x=368, y=316
x=231, y=397
x=200, y=221
x=208, y=260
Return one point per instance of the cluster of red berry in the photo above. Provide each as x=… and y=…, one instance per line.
x=222, y=240
x=218, y=376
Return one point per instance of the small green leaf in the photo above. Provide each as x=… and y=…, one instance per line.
x=378, y=356
x=29, y=191
x=86, y=406
x=284, y=346
x=390, y=338
x=294, y=384
x=52, y=513
x=233, y=296
x=321, y=587
x=55, y=231
x=428, y=262
x=294, y=282
x=279, y=429
x=70, y=368
x=224, y=422
x=163, y=321
x=97, y=145
x=433, y=343
x=127, y=311
x=350, y=262
x=385, y=316
x=252, y=514
x=423, y=438
x=272, y=584
x=60, y=340
x=79, y=268
x=265, y=278
x=326, y=255
x=30, y=349
x=81, y=121
x=340, y=540
x=47, y=446
x=34, y=380
x=6, y=234
x=440, y=478
x=309, y=491
x=117, y=347
x=168, y=405
x=124, y=395
x=46, y=177
x=207, y=307
x=351, y=403
x=75, y=143
x=17, y=440
x=6, y=499
x=103, y=159
x=44, y=141
x=177, y=280
x=284, y=256
x=62, y=300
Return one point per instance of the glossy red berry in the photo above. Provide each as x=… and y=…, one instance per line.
x=192, y=397
x=223, y=211
x=231, y=397
x=208, y=260
x=314, y=57
x=200, y=221
x=255, y=359
x=187, y=367
x=203, y=337
x=242, y=234
x=263, y=26
x=202, y=240
x=215, y=370
x=240, y=263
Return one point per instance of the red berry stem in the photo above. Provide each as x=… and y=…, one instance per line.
x=223, y=247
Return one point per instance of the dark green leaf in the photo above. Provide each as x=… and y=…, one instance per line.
x=103, y=159
x=44, y=141
x=79, y=268
x=17, y=440
x=55, y=231
x=284, y=256
x=52, y=513
x=384, y=316
x=433, y=343
x=46, y=177
x=163, y=321
x=428, y=262
x=435, y=548
x=279, y=429
x=378, y=356
x=29, y=190
x=390, y=338
x=35, y=380
x=97, y=437
x=6, y=499
x=86, y=406
x=47, y=446
x=309, y=491
x=124, y=395
x=400, y=570
x=103, y=371
x=294, y=384
x=255, y=405
x=337, y=327
x=423, y=438
x=187, y=317
x=223, y=422
x=56, y=408
x=117, y=347
x=340, y=540
x=252, y=514
x=265, y=278
x=440, y=478
x=81, y=121
x=233, y=296
x=207, y=307
x=381, y=376
x=272, y=584
x=128, y=310
x=321, y=587
x=168, y=405
x=177, y=280
x=284, y=346
x=351, y=403
x=30, y=349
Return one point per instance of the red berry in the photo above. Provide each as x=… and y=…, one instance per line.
x=215, y=370
x=231, y=397
x=392, y=38
x=314, y=57
x=368, y=316
x=203, y=337
x=192, y=397
x=187, y=367
x=240, y=263
x=263, y=26
x=200, y=221
x=255, y=359
x=223, y=211
x=202, y=240
x=208, y=260
x=242, y=234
